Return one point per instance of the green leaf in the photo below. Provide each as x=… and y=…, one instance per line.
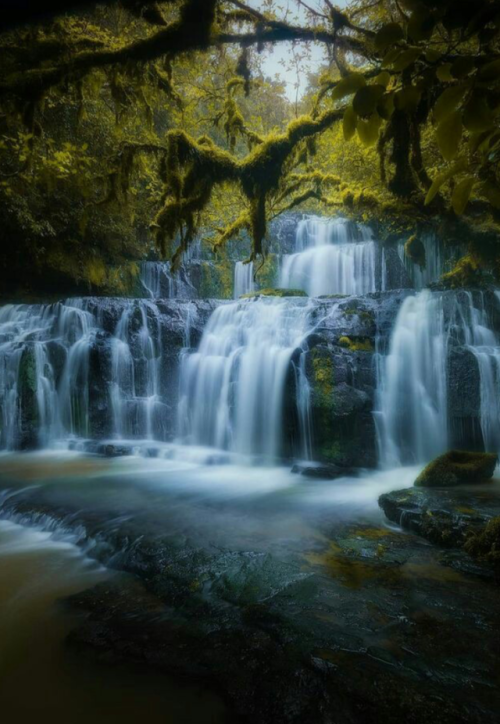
x=388, y=35
x=461, y=195
x=348, y=85
x=349, y=123
x=368, y=130
x=490, y=72
x=383, y=79
x=449, y=101
x=366, y=99
x=477, y=115
x=407, y=58
x=408, y=99
x=421, y=25
x=462, y=67
x=385, y=107
x=449, y=134
x=443, y=73
x=391, y=56
x=442, y=178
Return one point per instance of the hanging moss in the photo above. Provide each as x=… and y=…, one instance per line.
x=415, y=250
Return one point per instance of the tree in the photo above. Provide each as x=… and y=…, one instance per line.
x=416, y=80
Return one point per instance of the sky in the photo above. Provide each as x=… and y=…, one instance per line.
x=284, y=53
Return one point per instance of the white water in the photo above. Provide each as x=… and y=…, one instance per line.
x=333, y=256
x=411, y=413
x=232, y=388
x=243, y=278
x=54, y=344
x=411, y=416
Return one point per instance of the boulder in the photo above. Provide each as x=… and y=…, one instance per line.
x=457, y=467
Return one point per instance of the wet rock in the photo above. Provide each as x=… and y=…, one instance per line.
x=458, y=468
x=457, y=518
x=323, y=472
x=29, y=414
x=275, y=293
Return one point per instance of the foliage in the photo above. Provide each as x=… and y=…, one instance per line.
x=112, y=118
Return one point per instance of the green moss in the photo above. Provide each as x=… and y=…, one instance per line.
x=357, y=344
x=216, y=280
x=275, y=293
x=466, y=273
x=485, y=544
x=415, y=250
x=457, y=467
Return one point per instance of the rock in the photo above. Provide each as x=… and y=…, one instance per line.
x=275, y=293
x=323, y=472
x=458, y=468
x=29, y=414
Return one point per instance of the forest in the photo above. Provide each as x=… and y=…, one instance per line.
x=250, y=361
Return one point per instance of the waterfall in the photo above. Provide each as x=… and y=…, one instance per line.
x=243, y=279
x=159, y=282
x=412, y=390
x=332, y=256
x=80, y=369
x=411, y=416
x=232, y=389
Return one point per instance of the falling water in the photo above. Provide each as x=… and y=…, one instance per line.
x=411, y=416
x=60, y=370
x=332, y=256
x=233, y=387
x=243, y=279
x=412, y=399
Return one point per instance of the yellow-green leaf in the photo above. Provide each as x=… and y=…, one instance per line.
x=477, y=115
x=444, y=73
x=461, y=194
x=383, y=79
x=449, y=134
x=406, y=59
x=490, y=72
x=348, y=85
x=408, y=99
x=434, y=189
x=366, y=99
x=349, y=123
x=449, y=101
x=389, y=34
x=368, y=130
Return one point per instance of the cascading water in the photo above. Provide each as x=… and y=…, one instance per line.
x=412, y=390
x=60, y=370
x=233, y=387
x=332, y=256
x=243, y=278
x=411, y=416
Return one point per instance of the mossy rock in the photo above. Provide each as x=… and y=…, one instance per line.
x=275, y=293
x=457, y=467
x=357, y=344
x=485, y=544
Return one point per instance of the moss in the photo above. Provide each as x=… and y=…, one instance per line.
x=415, y=250
x=485, y=544
x=363, y=314
x=357, y=344
x=275, y=293
x=458, y=467
x=466, y=273
x=216, y=280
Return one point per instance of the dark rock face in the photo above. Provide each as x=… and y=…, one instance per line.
x=28, y=414
x=341, y=371
x=458, y=468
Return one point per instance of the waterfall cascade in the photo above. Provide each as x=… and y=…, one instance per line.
x=332, y=256
x=233, y=386
x=412, y=408
x=60, y=370
x=243, y=278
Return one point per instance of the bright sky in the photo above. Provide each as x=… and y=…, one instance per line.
x=283, y=59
